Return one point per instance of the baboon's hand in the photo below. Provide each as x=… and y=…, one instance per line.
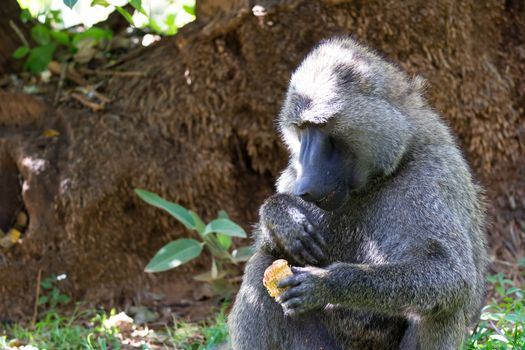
x=285, y=223
x=307, y=290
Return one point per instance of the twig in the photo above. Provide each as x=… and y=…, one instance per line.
x=94, y=106
x=91, y=91
x=63, y=72
x=37, y=296
x=513, y=264
x=18, y=32
x=114, y=73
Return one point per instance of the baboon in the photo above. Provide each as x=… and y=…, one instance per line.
x=377, y=212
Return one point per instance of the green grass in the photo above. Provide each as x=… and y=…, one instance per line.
x=502, y=326
x=86, y=330
x=77, y=331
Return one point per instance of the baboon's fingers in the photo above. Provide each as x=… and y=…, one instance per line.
x=311, y=252
x=291, y=293
x=291, y=281
x=314, y=232
x=300, y=253
x=292, y=303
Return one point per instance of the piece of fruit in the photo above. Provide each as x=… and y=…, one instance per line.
x=277, y=271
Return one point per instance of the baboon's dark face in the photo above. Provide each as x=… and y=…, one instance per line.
x=325, y=174
x=340, y=129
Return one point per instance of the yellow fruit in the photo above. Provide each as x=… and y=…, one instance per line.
x=10, y=239
x=275, y=273
x=14, y=235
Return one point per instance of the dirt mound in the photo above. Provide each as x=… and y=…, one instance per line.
x=199, y=129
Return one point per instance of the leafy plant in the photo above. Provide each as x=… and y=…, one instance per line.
x=52, y=297
x=49, y=40
x=81, y=330
x=502, y=323
x=216, y=236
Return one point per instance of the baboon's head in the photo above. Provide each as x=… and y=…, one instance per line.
x=344, y=121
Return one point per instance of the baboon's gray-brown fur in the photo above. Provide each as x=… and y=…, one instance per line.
x=400, y=263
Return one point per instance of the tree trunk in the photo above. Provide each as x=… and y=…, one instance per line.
x=199, y=130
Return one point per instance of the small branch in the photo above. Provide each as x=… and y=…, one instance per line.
x=114, y=73
x=507, y=263
x=18, y=32
x=63, y=72
x=37, y=296
x=94, y=106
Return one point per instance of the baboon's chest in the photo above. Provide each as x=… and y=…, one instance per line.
x=356, y=241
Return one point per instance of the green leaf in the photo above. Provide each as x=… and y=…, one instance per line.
x=42, y=300
x=224, y=240
x=189, y=9
x=222, y=215
x=174, y=254
x=70, y=3
x=39, y=58
x=137, y=4
x=199, y=225
x=47, y=283
x=41, y=34
x=96, y=33
x=215, y=247
x=22, y=51
x=125, y=14
x=63, y=299
x=177, y=211
x=100, y=2
x=242, y=254
x=170, y=23
x=226, y=227
x=61, y=37
x=25, y=15
x=499, y=337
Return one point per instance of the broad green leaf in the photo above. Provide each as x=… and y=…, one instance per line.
x=226, y=227
x=98, y=34
x=215, y=246
x=153, y=25
x=199, y=225
x=70, y=3
x=125, y=14
x=177, y=211
x=47, y=283
x=61, y=37
x=137, y=4
x=242, y=254
x=22, y=51
x=39, y=58
x=224, y=240
x=174, y=254
x=222, y=215
x=63, y=299
x=170, y=22
x=41, y=34
x=42, y=300
x=189, y=9
x=100, y=2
